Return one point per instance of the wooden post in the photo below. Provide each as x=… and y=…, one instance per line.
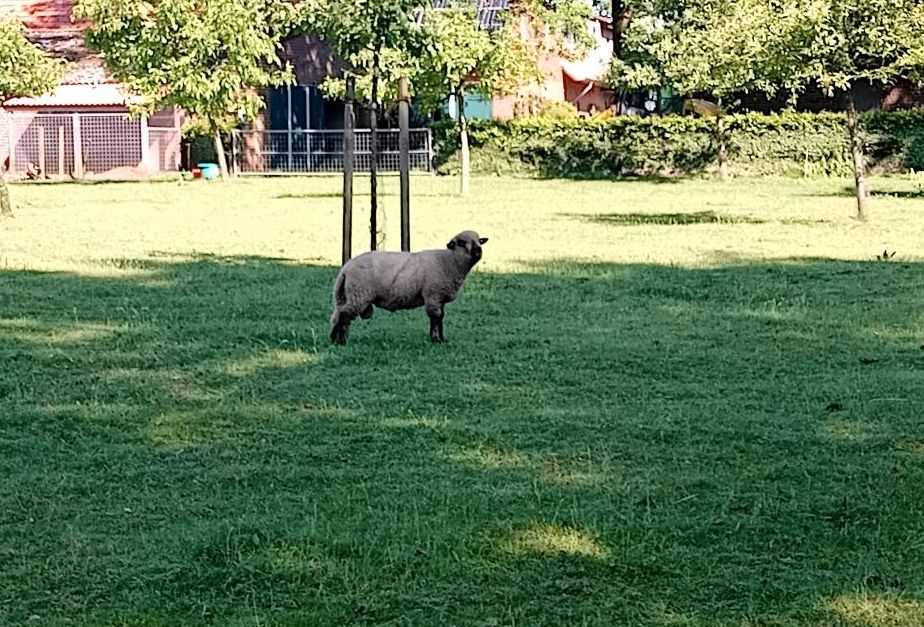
x=374, y=149
x=349, y=146
x=404, y=158
x=60, y=151
x=41, y=151
x=78, y=147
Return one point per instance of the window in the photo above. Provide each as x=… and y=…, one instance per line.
x=295, y=107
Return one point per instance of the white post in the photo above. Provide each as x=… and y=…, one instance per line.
x=78, y=146
x=41, y=151
x=61, y=151
x=11, y=140
x=145, y=145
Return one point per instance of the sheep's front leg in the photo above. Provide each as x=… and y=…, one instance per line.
x=435, y=312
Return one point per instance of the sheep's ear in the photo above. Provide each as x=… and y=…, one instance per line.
x=451, y=245
x=483, y=240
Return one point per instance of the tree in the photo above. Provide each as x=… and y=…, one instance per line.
x=841, y=44
x=364, y=33
x=24, y=71
x=212, y=58
x=563, y=22
x=462, y=57
x=717, y=47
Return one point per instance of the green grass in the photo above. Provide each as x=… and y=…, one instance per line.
x=707, y=411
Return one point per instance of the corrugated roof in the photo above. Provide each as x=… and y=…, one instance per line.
x=65, y=96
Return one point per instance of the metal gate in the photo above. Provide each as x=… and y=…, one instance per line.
x=317, y=151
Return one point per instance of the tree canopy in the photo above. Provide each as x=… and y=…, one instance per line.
x=24, y=71
x=839, y=44
x=459, y=55
x=212, y=59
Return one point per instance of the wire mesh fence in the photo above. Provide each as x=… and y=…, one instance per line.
x=82, y=145
x=317, y=151
x=165, y=148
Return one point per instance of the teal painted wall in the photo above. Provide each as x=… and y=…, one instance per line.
x=477, y=107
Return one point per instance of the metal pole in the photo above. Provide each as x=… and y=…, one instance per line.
x=349, y=146
x=404, y=160
x=289, y=126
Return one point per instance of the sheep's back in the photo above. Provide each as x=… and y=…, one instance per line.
x=390, y=280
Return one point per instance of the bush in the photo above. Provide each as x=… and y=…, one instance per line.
x=787, y=143
x=559, y=110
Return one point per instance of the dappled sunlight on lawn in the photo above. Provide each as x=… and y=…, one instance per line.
x=580, y=471
x=550, y=540
x=272, y=358
x=59, y=334
x=489, y=458
x=875, y=610
x=218, y=426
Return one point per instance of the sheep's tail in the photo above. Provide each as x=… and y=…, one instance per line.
x=340, y=298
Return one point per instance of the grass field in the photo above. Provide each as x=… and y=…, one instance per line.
x=677, y=403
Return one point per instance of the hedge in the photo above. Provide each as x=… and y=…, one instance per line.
x=803, y=144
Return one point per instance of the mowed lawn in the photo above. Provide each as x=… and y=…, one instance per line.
x=661, y=403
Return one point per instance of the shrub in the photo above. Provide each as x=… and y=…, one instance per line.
x=786, y=143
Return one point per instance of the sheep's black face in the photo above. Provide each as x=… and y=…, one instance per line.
x=468, y=244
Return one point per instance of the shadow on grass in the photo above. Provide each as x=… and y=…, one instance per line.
x=850, y=192
x=664, y=219
x=640, y=445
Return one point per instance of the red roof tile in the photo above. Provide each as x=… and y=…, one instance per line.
x=50, y=26
x=43, y=15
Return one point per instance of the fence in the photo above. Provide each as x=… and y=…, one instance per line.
x=290, y=152
x=82, y=145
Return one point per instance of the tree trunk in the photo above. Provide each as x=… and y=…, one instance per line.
x=6, y=210
x=721, y=141
x=466, y=174
x=618, y=8
x=859, y=158
x=220, y=152
x=374, y=157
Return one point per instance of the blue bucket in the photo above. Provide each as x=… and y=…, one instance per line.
x=210, y=171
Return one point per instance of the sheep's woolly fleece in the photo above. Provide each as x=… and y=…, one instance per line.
x=395, y=281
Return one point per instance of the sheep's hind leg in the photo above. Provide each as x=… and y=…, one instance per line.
x=435, y=313
x=341, y=330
